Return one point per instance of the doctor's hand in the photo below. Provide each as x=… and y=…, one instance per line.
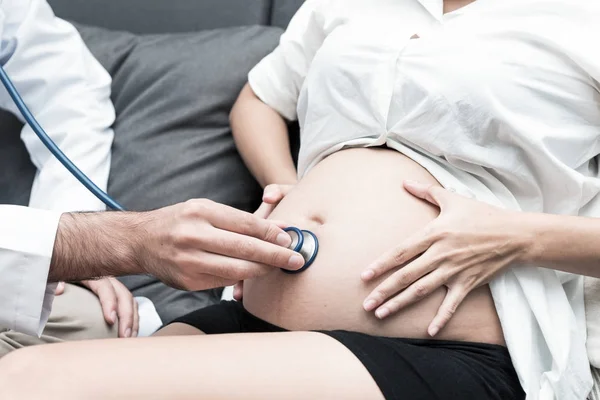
x=272, y=195
x=194, y=245
x=201, y=244
x=462, y=249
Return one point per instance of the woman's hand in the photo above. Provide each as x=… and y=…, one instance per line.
x=117, y=304
x=462, y=249
x=272, y=195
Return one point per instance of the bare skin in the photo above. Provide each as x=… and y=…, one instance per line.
x=366, y=206
x=246, y=366
x=355, y=203
x=194, y=245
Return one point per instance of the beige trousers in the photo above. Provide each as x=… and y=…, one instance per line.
x=76, y=315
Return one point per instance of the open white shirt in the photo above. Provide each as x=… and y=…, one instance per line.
x=69, y=93
x=499, y=100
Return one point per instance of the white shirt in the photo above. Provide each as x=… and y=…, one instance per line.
x=69, y=93
x=499, y=100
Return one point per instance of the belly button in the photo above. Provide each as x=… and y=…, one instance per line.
x=317, y=218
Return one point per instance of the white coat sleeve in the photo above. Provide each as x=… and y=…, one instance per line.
x=69, y=93
x=278, y=78
x=26, y=243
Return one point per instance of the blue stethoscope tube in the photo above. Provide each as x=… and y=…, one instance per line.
x=54, y=149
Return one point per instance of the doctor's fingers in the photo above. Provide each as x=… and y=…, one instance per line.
x=201, y=270
x=248, y=248
x=231, y=219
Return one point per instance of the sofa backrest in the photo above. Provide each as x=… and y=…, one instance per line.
x=283, y=10
x=162, y=16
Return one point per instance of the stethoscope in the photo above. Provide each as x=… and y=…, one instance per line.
x=303, y=242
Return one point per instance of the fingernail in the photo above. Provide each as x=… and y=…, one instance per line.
x=135, y=333
x=382, y=313
x=113, y=317
x=283, y=239
x=433, y=331
x=268, y=193
x=367, y=274
x=128, y=332
x=369, y=304
x=296, y=261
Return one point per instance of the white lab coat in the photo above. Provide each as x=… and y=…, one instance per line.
x=69, y=93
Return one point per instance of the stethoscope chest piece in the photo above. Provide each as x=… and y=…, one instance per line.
x=306, y=244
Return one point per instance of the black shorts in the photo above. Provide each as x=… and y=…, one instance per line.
x=404, y=369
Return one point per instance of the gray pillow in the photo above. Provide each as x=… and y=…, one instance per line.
x=172, y=94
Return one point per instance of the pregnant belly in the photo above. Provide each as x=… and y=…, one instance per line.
x=355, y=204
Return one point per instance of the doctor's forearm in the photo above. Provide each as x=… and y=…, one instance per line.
x=565, y=243
x=92, y=245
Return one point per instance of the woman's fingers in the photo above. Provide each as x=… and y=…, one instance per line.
x=456, y=294
x=60, y=289
x=126, y=310
x=410, y=275
x=415, y=292
x=273, y=194
x=136, y=318
x=107, y=296
x=238, y=291
x=264, y=210
x=436, y=195
x=409, y=249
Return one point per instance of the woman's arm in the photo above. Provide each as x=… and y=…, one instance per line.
x=272, y=92
x=566, y=243
x=471, y=242
x=261, y=136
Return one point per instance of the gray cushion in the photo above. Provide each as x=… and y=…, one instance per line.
x=283, y=11
x=16, y=170
x=172, y=94
x=164, y=16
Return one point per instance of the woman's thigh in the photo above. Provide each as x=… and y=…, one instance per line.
x=290, y=365
x=178, y=329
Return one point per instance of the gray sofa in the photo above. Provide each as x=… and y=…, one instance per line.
x=177, y=66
